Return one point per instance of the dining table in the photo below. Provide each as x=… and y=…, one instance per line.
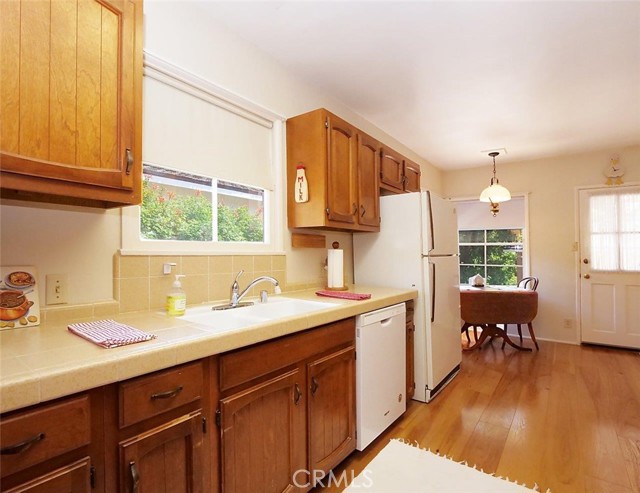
x=493, y=308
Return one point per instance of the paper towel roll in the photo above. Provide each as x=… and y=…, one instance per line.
x=334, y=268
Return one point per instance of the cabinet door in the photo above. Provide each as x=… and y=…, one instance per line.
x=263, y=437
x=368, y=191
x=411, y=176
x=332, y=410
x=74, y=478
x=165, y=459
x=391, y=170
x=70, y=86
x=341, y=166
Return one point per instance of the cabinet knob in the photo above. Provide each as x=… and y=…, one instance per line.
x=363, y=211
x=355, y=209
x=314, y=385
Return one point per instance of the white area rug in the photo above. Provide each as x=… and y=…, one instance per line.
x=402, y=468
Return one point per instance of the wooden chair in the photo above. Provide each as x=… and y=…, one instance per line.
x=530, y=283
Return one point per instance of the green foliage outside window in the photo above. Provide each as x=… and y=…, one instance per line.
x=495, y=254
x=187, y=216
x=165, y=215
x=239, y=224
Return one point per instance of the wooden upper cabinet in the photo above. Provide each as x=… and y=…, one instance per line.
x=368, y=188
x=339, y=174
x=397, y=173
x=71, y=100
x=411, y=176
x=391, y=170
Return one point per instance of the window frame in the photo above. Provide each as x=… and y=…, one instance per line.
x=133, y=244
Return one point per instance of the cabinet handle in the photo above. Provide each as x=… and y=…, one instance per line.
x=297, y=394
x=135, y=476
x=314, y=385
x=128, y=159
x=22, y=446
x=168, y=394
x=355, y=209
x=364, y=211
x=327, y=211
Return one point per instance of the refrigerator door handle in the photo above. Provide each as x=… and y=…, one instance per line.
x=433, y=291
x=432, y=243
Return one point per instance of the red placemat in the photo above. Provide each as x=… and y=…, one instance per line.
x=343, y=295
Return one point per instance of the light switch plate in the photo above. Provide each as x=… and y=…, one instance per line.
x=57, y=289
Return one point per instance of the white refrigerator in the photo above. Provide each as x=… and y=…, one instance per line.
x=417, y=247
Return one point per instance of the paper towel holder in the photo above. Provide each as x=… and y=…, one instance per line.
x=335, y=245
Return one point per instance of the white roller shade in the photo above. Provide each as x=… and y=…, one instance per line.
x=189, y=130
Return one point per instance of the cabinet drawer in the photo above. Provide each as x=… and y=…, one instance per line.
x=150, y=395
x=31, y=437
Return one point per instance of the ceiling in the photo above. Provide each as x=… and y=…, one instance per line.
x=450, y=79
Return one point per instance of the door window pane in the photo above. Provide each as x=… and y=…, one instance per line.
x=614, y=222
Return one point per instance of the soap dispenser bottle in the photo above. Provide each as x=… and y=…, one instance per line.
x=176, y=298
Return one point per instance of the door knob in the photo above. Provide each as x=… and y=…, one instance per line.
x=587, y=276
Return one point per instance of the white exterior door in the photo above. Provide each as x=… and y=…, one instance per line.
x=610, y=266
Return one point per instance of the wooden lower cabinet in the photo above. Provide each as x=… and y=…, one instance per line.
x=263, y=436
x=292, y=417
x=165, y=459
x=332, y=409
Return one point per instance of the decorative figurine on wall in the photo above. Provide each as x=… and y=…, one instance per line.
x=614, y=171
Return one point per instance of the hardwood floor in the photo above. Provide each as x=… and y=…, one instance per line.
x=565, y=418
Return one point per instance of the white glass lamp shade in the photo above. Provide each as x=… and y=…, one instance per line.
x=496, y=193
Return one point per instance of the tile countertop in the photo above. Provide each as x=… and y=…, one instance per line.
x=41, y=363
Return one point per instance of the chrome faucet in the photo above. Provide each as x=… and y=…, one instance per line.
x=236, y=296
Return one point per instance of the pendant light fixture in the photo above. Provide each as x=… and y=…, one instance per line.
x=495, y=193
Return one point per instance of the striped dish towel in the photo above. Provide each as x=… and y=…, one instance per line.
x=109, y=333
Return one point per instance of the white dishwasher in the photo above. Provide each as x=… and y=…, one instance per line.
x=380, y=371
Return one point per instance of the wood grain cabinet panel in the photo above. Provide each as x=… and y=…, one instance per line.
x=164, y=459
x=71, y=88
x=332, y=416
x=263, y=436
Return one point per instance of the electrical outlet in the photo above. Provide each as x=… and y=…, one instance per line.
x=57, y=289
x=567, y=323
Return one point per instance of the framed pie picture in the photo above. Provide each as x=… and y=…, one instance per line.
x=19, y=304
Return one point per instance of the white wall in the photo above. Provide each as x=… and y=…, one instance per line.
x=81, y=242
x=551, y=184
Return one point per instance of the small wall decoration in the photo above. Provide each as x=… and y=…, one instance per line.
x=19, y=306
x=614, y=171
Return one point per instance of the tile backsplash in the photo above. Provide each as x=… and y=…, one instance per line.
x=140, y=284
